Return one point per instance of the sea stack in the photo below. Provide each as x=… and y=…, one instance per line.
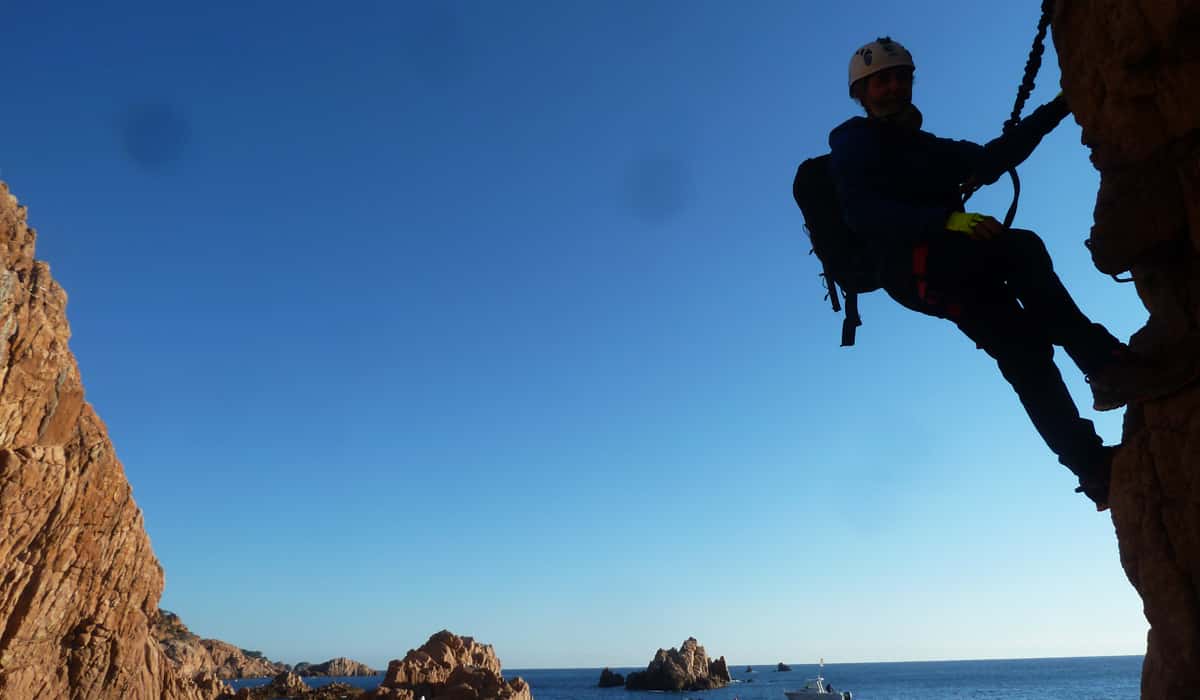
x=686, y=668
x=449, y=667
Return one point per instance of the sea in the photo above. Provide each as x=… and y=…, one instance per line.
x=1085, y=678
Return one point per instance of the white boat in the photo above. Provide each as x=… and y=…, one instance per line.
x=818, y=689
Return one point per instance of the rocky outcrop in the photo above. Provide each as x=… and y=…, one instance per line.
x=81, y=582
x=686, y=668
x=340, y=667
x=289, y=685
x=451, y=668
x=193, y=655
x=179, y=644
x=1130, y=71
x=610, y=679
x=284, y=685
x=782, y=668
x=718, y=669
x=229, y=661
x=335, y=691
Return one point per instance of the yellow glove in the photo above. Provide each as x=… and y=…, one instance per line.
x=976, y=226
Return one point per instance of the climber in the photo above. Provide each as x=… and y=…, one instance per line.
x=900, y=192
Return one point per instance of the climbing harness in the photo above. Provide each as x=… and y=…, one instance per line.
x=1032, y=65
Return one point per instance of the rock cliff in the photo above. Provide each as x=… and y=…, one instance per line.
x=686, y=668
x=80, y=580
x=450, y=667
x=1130, y=73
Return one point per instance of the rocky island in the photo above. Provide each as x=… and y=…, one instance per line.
x=686, y=668
x=449, y=667
x=341, y=667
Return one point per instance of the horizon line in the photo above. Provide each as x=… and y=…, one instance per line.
x=841, y=663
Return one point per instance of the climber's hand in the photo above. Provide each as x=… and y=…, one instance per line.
x=968, y=188
x=979, y=227
x=987, y=229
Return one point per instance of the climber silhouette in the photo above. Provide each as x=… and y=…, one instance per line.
x=900, y=192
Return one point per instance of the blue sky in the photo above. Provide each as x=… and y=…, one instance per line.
x=498, y=317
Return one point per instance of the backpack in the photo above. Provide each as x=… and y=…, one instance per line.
x=844, y=259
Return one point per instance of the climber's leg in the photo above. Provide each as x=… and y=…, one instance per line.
x=954, y=278
x=1019, y=257
x=1117, y=376
x=1026, y=359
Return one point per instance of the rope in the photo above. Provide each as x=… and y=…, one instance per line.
x=1032, y=65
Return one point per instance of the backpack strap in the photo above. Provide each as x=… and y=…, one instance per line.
x=832, y=287
x=852, y=321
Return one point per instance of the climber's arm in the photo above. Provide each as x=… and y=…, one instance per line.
x=1011, y=149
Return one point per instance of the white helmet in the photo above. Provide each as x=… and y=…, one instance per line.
x=881, y=54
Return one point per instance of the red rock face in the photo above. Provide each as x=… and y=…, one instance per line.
x=1131, y=72
x=80, y=582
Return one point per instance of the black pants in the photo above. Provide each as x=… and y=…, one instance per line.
x=1004, y=295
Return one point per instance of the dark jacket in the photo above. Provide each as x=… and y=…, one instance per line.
x=897, y=186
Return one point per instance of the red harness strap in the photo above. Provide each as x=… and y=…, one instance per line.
x=920, y=262
x=920, y=269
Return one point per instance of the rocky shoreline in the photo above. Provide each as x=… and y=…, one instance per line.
x=193, y=655
x=447, y=666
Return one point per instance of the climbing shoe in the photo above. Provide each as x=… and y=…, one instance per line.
x=1131, y=378
x=1115, y=386
x=1095, y=490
